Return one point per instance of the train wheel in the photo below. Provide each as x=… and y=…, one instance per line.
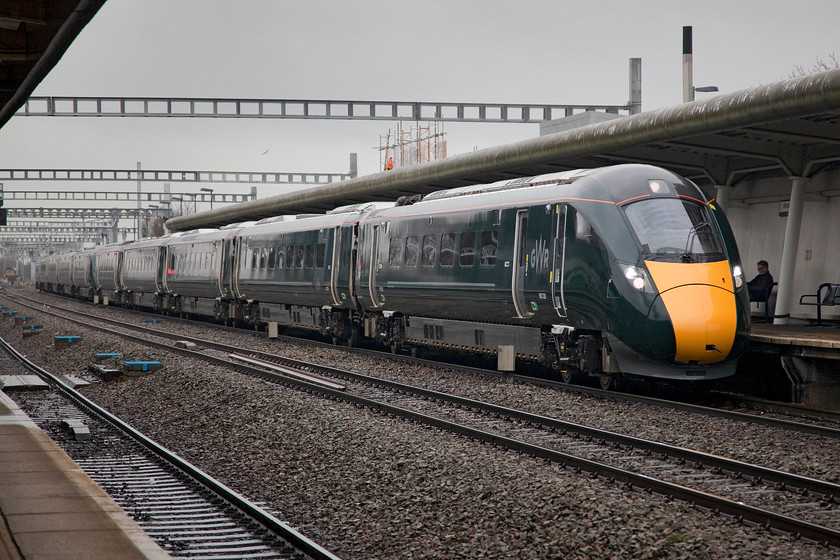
x=336, y=340
x=353, y=340
x=395, y=347
x=606, y=382
x=415, y=352
x=567, y=376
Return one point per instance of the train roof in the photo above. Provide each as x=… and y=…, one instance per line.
x=616, y=185
x=559, y=178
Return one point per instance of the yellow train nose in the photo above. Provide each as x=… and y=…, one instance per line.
x=702, y=308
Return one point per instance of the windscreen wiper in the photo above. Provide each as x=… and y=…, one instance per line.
x=688, y=255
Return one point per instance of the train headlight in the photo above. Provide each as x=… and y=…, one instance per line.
x=737, y=276
x=636, y=277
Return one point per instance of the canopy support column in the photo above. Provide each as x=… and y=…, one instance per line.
x=789, y=252
x=722, y=196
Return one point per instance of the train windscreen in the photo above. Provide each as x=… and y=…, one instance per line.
x=676, y=230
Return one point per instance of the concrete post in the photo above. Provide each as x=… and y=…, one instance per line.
x=688, y=65
x=722, y=196
x=635, y=85
x=794, y=223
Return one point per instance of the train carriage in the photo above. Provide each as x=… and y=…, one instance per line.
x=196, y=279
x=141, y=271
x=298, y=272
x=626, y=269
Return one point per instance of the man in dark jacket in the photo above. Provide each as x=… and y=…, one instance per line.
x=762, y=284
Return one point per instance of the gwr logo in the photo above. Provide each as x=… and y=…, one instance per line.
x=540, y=255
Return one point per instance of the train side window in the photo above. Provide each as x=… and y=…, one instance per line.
x=489, y=247
x=429, y=250
x=466, y=256
x=309, y=258
x=271, y=257
x=290, y=256
x=263, y=258
x=320, y=255
x=281, y=257
x=447, y=249
x=412, y=250
x=395, y=251
x=299, y=256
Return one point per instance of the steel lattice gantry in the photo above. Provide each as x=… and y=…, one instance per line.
x=178, y=176
x=307, y=109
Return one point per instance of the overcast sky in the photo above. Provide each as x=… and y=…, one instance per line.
x=558, y=51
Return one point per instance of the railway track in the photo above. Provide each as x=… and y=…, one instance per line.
x=780, y=501
x=774, y=415
x=187, y=512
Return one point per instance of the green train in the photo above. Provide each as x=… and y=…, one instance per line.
x=595, y=273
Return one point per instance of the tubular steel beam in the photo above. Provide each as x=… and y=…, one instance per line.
x=304, y=109
x=809, y=95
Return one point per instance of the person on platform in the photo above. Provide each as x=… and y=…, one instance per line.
x=762, y=284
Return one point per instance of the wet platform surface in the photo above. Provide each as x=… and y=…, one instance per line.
x=826, y=336
x=50, y=509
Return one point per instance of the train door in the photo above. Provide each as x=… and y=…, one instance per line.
x=558, y=260
x=160, y=269
x=226, y=267
x=520, y=265
x=374, y=266
x=336, y=264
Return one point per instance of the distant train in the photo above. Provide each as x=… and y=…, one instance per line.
x=626, y=269
x=11, y=274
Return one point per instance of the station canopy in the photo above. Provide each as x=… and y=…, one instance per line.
x=33, y=38
x=787, y=129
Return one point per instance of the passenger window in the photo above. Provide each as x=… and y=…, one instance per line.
x=281, y=257
x=395, y=251
x=489, y=246
x=320, y=255
x=309, y=259
x=263, y=258
x=299, y=257
x=429, y=250
x=290, y=256
x=467, y=254
x=271, y=257
x=447, y=249
x=412, y=249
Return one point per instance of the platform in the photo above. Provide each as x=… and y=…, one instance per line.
x=804, y=357
x=50, y=509
x=809, y=340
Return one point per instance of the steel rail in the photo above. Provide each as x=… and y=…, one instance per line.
x=758, y=516
x=248, y=508
x=821, y=431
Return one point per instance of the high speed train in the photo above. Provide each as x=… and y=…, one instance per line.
x=628, y=269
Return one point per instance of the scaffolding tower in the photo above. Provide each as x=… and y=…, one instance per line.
x=419, y=144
